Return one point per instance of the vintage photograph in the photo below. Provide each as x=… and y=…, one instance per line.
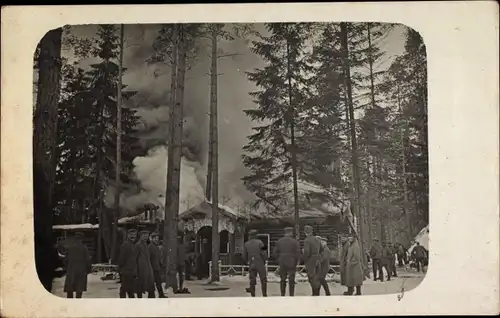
x=230, y=160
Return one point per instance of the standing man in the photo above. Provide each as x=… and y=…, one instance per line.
x=145, y=278
x=325, y=265
x=419, y=253
x=155, y=256
x=287, y=253
x=401, y=255
x=181, y=265
x=127, y=265
x=393, y=259
x=386, y=259
x=312, y=259
x=376, y=255
x=255, y=255
x=354, y=269
x=78, y=266
x=343, y=259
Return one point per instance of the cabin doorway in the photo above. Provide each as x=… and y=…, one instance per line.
x=204, y=251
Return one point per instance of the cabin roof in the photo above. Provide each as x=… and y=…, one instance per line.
x=205, y=208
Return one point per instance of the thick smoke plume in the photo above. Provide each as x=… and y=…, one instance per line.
x=152, y=84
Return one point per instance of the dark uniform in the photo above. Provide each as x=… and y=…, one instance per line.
x=145, y=278
x=78, y=266
x=127, y=265
x=156, y=258
x=312, y=259
x=325, y=266
x=255, y=256
x=181, y=264
x=287, y=253
x=420, y=254
x=386, y=260
x=393, y=259
x=401, y=255
x=376, y=256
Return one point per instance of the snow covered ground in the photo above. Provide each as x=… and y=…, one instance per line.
x=235, y=287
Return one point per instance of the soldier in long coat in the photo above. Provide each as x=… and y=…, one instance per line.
x=145, y=277
x=354, y=267
x=156, y=258
x=287, y=253
x=343, y=259
x=78, y=266
x=325, y=265
x=312, y=259
x=127, y=265
x=255, y=255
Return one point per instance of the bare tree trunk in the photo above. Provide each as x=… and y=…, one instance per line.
x=44, y=147
x=208, y=188
x=291, y=119
x=99, y=235
x=116, y=210
x=372, y=94
x=354, y=145
x=406, y=210
x=172, y=199
x=368, y=204
x=215, y=165
x=47, y=101
x=171, y=121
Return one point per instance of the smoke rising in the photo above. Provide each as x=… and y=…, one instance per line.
x=152, y=84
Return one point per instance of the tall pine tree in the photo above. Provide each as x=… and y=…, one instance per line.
x=271, y=151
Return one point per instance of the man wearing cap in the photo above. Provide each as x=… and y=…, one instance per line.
x=127, y=265
x=325, y=265
x=78, y=266
x=312, y=259
x=145, y=278
x=386, y=259
x=181, y=266
x=376, y=256
x=255, y=255
x=354, y=267
x=287, y=253
x=394, y=251
x=343, y=259
x=156, y=262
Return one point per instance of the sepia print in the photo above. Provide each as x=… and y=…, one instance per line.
x=220, y=160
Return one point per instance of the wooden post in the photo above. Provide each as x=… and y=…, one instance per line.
x=232, y=245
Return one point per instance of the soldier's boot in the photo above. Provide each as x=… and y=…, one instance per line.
x=283, y=288
x=263, y=287
x=327, y=288
x=291, y=289
x=358, y=290
x=251, y=290
x=317, y=291
x=349, y=291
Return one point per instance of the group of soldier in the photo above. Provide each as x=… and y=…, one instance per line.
x=384, y=256
x=316, y=257
x=141, y=266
